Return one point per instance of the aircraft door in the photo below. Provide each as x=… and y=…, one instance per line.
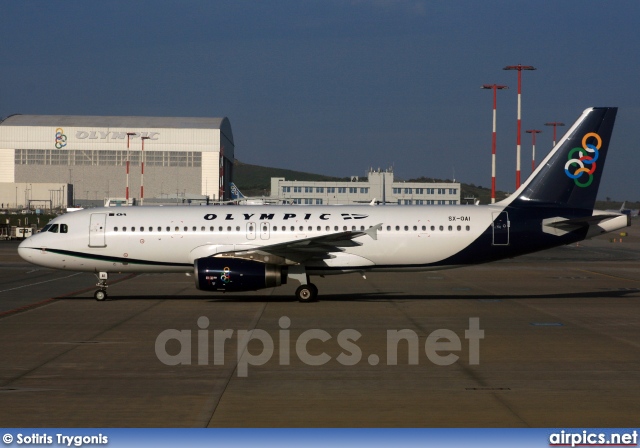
x=97, y=230
x=251, y=230
x=501, y=226
x=264, y=230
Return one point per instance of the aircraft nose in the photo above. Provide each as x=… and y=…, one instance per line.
x=24, y=251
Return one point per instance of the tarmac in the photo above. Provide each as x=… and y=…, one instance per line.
x=545, y=340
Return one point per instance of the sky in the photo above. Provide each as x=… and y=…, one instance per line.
x=338, y=87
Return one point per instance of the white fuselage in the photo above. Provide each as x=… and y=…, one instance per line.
x=169, y=239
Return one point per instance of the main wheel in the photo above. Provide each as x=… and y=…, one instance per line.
x=100, y=295
x=307, y=293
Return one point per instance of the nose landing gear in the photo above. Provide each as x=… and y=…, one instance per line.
x=101, y=293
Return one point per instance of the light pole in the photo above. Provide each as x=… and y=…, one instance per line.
x=519, y=68
x=142, y=171
x=533, y=133
x=555, y=124
x=129, y=134
x=495, y=89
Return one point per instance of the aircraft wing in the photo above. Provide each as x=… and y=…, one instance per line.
x=318, y=247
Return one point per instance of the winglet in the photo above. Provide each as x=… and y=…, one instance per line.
x=373, y=231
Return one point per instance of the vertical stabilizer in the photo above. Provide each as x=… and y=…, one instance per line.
x=570, y=175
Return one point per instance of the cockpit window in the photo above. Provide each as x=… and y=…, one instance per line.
x=64, y=228
x=53, y=228
x=46, y=228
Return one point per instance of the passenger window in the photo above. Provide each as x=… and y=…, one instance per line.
x=202, y=229
x=177, y=229
x=441, y=228
x=159, y=229
x=150, y=229
x=220, y=229
x=459, y=228
x=64, y=228
x=450, y=228
x=310, y=229
x=424, y=227
x=388, y=227
x=433, y=228
x=406, y=228
x=53, y=228
x=327, y=228
x=468, y=228
x=124, y=229
x=335, y=228
x=275, y=228
x=293, y=228
x=168, y=229
x=133, y=229
x=228, y=228
x=301, y=228
x=319, y=229
x=211, y=229
x=194, y=228
x=237, y=228
x=397, y=228
x=344, y=228
x=186, y=228
x=115, y=229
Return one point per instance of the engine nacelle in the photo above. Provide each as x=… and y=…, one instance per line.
x=235, y=274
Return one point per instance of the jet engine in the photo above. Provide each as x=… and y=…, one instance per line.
x=235, y=274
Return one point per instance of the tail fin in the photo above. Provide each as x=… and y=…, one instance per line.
x=570, y=175
x=235, y=192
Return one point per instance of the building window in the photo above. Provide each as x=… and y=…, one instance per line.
x=431, y=191
x=397, y=191
x=408, y=202
x=308, y=189
x=353, y=190
x=408, y=191
x=364, y=190
x=308, y=201
x=297, y=201
x=453, y=191
x=318, y=201
x=342, y=189
x=297, y=189
x=419, y=190
x=286, y=189
x=319, y=189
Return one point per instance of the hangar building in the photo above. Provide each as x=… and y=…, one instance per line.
x=182, y=157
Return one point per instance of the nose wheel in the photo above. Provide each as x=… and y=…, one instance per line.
x=101, y=293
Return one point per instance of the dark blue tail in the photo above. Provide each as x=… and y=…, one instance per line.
x=570, y=175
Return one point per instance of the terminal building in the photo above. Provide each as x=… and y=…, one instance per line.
x=91, y=158
x=379, y=185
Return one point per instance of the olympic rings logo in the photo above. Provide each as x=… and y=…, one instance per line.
x=588, y=155
x=225, y=277
x=61, y=139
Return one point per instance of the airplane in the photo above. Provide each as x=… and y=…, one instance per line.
x=625, y=211
x=240, y=199
x=255, y=247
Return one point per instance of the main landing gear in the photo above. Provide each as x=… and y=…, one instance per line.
x=101, y=293
x=306, y=292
